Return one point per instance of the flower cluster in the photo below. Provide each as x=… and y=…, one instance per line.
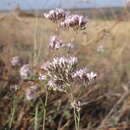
x=83, y=74
x=62, y=63
x=55, y=15
x=59, y=71
x=63, y=70
x=25, y=72
x=68, y=20
x=72, y=21
x=56, y=43
x=16, y=61
x=56, y=85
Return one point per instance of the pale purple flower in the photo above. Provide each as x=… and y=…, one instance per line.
x=46, y=15
x=83, y=74
x=91, y=75
x=54, y=38
x=58, y=45
x=73, y=60
x=64, y=25
x=16, y=61
x=25, y=72
x=58, y=61
x=42, y=77
x=51, y=83
x=51, y=15
x=75, y=20
x=31, y=92
x=55, y=85
x=63, y=62
x=55, y=15
x=100, y=48
x=82, y=22
x=55, y=43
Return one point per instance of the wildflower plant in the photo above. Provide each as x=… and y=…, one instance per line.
x=62, y=71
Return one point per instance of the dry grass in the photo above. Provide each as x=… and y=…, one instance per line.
x=28, y=37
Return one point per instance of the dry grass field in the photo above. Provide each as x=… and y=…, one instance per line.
x=104, y=47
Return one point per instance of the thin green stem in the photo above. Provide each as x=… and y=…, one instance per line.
x=12, y=113
x=44, y=111
x=78, y=123
x=36, y=119
x=77, y=119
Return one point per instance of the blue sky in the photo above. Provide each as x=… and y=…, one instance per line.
x=45, y=4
